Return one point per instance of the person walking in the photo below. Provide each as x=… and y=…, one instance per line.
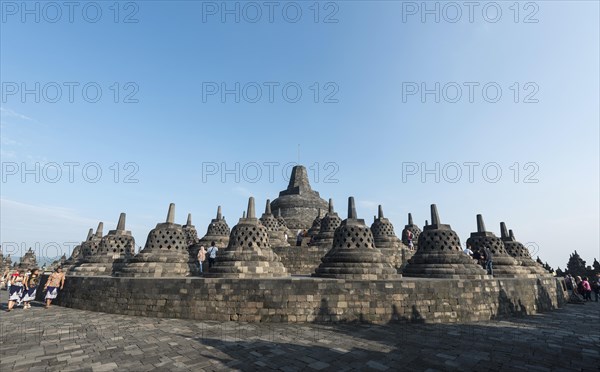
x=201, y=258
x=489, y=260
x=56, y=280
x=16, y=289
x=212, y=254
x=587, y=289
x=31, y=283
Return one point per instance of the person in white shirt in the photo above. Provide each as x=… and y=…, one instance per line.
x=468, y=251
x=212, y=254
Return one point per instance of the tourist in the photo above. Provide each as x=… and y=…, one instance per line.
x=16, y=289
x=409, y=237
x=569, y=282
x=596, y=287
x=468, y=251
x=31, y=283
x=587, y=289
x=56, y=279
x=212, y=254
x=299, y=238
x=489, y=257
x=201, y=257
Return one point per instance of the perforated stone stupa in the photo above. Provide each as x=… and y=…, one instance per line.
x=90, y=246
x=248, y=254
x=520, y=253
x=316, y=225
x=114, y=250
x=276, y=234
x=440, y=254
x=387, y=242
x=503, y=264
x=165, y=253
x=353, y=254
x=283, y=226
x=218, y=231
x=414, y=229
x=329, y=224
x=28, y=260
x=299, y=203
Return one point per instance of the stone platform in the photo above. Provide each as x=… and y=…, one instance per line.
x=301, y=260
x=305, y=299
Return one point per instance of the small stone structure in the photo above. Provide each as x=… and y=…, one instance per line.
x=248, y=254
x=316, y=225
x=298, y=203
x=387, y=242
x=27, y=261
x=329, y=224
x=165, y=253
x=283, y=227
x=218, y=231
x=275, y=232
x=90, y=246
x=440, y=254
x=414, y=229
x=503, y=264
x=114, y=251
x=353, y=254
x=520, y=253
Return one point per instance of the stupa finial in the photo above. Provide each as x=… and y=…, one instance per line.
x=410, y=220
x=189, y=220
x=330, y=210
x=244, y=214
x=251, y=213
x=90, y=233
x=351, y=208
x=503, y=231
x=121, y=223
x=171, y=213
x=380, y=211
x=268, y=207
x=219, y=214
x=435, y=218
x=480, y=224
x=511, y=235
x=426, y=223
x=99, y=229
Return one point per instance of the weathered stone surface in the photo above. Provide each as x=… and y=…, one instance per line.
x=114, y=251
x=520, y=253
x=315, y=299
x=218, y=231
x=276, y=233
x=302, y=260
x=440, y=254
x=298, y=203
x=387, y=242
x=88, y=248
x=165, y=253
x=316, y=225
x=353, y=254
x=248, y=254
x=503, y=264
x=329, y=223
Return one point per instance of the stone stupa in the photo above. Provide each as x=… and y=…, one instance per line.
x=218, y=231
x=504, y=266
x=298, y=203
x=414, y=229
x=114, y=251
x=276, y=234
x=283, y=226
x=90, y=246
x=329, y=223
x=316, y=225
x=387, y=242
x=520, y=253
x=353, y=254
x=28, y=260
x=165, y=253
x=248, y=254
x=76, y=254
x=440, y=254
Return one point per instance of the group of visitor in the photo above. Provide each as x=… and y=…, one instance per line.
x=22, y=286
x=203, y=254
x=582, y=288
x=484, y=257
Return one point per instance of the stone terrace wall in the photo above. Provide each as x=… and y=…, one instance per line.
x=300, y=260
x=314, y=299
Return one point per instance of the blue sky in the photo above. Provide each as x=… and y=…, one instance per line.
x=374, y=134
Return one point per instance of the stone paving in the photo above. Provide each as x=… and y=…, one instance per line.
x=63, y=339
